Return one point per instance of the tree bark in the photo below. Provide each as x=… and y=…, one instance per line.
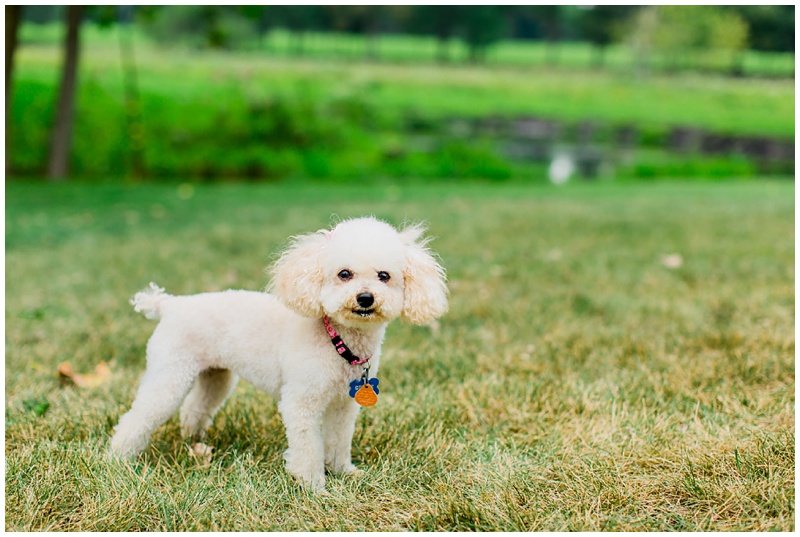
x=130, y=83
x=442, y=49
x=552, y=52
x=12, y=26
x=58, y=167
x=13, y=14
x=599, y=56
x=372, y=32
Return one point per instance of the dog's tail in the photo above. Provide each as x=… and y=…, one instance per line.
x=148, y=301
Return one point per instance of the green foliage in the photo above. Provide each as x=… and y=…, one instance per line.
x=728, y=31
x=578, y=383
x=674, y=31
x=201, y=26
x=771, y=26
x=483, y=26
x=454, y=159
x=297, y=18
x=661, y=165
x=229, y=115
x=602, y=25
x=300, y=136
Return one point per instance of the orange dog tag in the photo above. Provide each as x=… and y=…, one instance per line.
x=366, y=396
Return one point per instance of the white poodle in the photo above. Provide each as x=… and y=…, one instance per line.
x=314, y=344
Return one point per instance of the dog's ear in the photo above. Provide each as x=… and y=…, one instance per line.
x=297, y=278
x=425, y=292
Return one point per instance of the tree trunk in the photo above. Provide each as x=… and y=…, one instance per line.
x=299, y=42
x=599, y=56
x=442, y=54
x=371, y=50
x=552, y=52
x=58, y=167
x=737, y=64
x=372, y=32
x=130, y=83
x=12, y=26
x=473, y=54
x=13, y=14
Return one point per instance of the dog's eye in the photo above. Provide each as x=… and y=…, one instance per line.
x=345, y=275
x=384, y=276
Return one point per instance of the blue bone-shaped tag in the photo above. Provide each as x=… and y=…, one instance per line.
x=356, y=385
x=374, y=383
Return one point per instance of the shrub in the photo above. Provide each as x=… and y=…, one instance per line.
x=202, y=26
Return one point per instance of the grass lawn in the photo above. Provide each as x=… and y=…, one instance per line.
x=578, y=383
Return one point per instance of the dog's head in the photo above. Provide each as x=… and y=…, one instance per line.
x=363, y=270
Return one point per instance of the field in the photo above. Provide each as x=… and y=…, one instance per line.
x=215, y=115
x=709, y=102
x=400, y=48
x=615, y=358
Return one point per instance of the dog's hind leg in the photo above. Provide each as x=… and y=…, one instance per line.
x=159, y=396
x=212, y=388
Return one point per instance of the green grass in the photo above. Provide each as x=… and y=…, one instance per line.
x=576, y=384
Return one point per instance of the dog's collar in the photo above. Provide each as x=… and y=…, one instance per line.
x=341, y=348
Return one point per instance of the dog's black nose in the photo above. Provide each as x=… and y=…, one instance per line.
x=365, y=300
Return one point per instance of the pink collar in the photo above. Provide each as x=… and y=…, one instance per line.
x=341, y=348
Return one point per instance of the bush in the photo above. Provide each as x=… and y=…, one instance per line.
x=256, y=138
x=228, y=131
x=222, y=27
x=652, y=165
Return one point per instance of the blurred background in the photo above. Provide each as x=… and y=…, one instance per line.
x=374, y=93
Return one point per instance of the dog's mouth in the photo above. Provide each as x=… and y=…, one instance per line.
x=364, y=312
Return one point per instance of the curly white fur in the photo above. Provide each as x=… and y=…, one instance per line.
x=148, y=301
x=204, y=343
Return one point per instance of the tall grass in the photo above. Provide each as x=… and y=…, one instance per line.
x=578, y=382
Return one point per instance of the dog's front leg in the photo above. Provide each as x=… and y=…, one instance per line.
x=338, y=426
x=305, y=457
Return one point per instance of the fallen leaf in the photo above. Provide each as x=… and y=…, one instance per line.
x=202, y=454
x=86, y=380
x=672, y=261
x=554, y=255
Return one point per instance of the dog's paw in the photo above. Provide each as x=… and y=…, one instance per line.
x=352, y=470
x=124, y=449
x=314, y=483
x=346, y=468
